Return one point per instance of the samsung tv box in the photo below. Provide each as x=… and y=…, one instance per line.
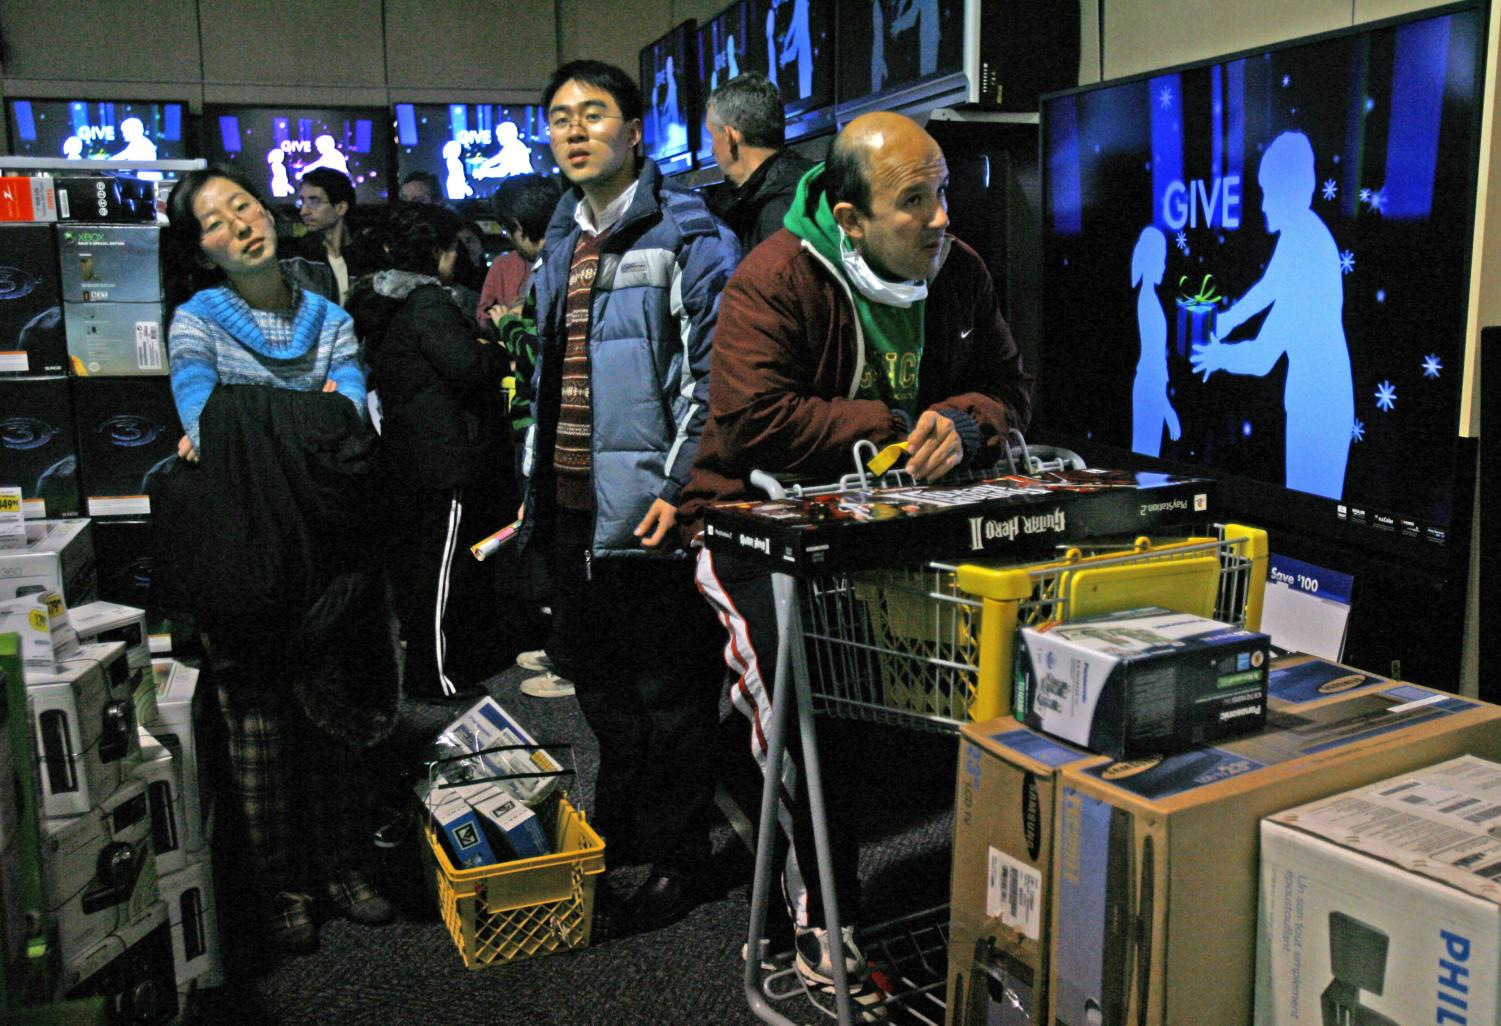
x=115, y=339
x=1142, y=681
x=83, y=721
x=38, y=446
x=110, y=263
x=31, y=327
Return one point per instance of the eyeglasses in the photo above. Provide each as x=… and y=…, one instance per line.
x=593, y=120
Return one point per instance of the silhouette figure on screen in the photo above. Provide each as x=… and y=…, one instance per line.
x=280, y=187
x=1150, y=406
x=73, y=148
x=672, y=134
x=924, y=14
x=513, y=158
x=138, y=147
x=726, y=64
x=455, y=184
x=328, y=156
x=797, y=45
x=1304, y=289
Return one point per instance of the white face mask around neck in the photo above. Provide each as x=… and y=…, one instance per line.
x=874, y=287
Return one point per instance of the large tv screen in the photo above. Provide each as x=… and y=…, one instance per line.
x=471, y=147
x=887, y=45
x=278, y=145
x=1259, y=267
x=668, y=88
x=98, y=129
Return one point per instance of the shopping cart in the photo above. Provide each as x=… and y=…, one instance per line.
x=930, y=646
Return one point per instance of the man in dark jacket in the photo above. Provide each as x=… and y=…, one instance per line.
x=861, y=319
x=745, y=124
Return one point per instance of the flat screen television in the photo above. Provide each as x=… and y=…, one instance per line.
x=670, y=92
x=98, y=129
x=1258, y=267
x=471, y=147
x=278, y=145
x=748, y=34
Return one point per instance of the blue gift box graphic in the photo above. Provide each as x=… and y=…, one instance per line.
x=1195, y=320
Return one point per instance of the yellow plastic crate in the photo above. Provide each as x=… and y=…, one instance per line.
x=527, y=907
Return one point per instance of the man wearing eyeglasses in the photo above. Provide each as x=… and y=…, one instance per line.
x=627, y=301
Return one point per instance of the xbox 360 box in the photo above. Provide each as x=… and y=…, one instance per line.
x=115, y=339
x=110, y=263
x=31, y=326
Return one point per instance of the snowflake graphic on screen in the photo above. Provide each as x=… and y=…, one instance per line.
x=1365, y=195
x=1287, y=80
x=1357, y=432
x=1377, y=200
x=1347, y=262
x=1432, y=365
x=1386, y=396
x=1181, y=241
x=1331, y=188
x=1165, y=97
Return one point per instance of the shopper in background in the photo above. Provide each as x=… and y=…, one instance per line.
x=523, y=205
x=326, y=202
x=746, y=128
x=445, y=458
x=262, y=370
x=627, y=301
x=861, y=319
x=421, y=187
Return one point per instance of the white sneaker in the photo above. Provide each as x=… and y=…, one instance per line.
x=536, y=661
x=814, y=964
x=547, y=685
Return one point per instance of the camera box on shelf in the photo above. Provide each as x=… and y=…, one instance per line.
x=32, y=340
x=84, y=727
x=27, y=199
x=1002, y=886
x=1154, y=911
x=126, y=561
x=99, y=869
x=115, y=339
x=1380, y=906
x=110, y=621
x=189, y=894
x=119, y=198
x=38, y=446
x=59, y=556
x=127, y=432
x=1142, y=681
x=21, y=894
x=110, y=263
x=178, y=709
x=158, y=771
x=131, y=970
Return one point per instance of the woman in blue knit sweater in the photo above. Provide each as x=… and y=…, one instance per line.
x=246, y=323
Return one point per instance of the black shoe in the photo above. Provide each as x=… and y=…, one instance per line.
x=662, y=900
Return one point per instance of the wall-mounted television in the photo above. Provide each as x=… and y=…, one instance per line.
x=471, y=147
x=918, y=55
x=670, y=91
x=98, y=129
x=1258, y=267
x=278, y=145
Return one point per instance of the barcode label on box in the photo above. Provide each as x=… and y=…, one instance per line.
x=148, y=345
x=1013, y=893
x=119, y=506
x=13, y=361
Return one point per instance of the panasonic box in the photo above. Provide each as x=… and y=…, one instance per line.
x=31, y=324
x=1381, y=906
x=1141, y=682
x=127, y=433
x=38, y=448
x=1157, y=868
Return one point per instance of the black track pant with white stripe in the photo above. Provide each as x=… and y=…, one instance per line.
x=742, y=596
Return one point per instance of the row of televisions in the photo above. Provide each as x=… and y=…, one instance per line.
x=890, y=50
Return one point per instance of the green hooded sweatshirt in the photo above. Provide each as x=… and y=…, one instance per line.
x=893, y=336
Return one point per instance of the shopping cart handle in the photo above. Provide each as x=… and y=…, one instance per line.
x=768, y=484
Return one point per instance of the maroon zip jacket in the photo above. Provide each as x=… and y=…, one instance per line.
x=784, y=369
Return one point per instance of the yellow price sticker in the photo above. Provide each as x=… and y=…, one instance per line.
x=37, y=619
x=886, y=458
x=10, y=503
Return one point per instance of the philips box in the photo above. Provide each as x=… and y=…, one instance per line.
x=99, y=199
x=127, y=433
x=110, y=263
x=130, y=970
x=1381, y=906
x=59, y=556
x=39, y=447
x=83, y=722
x=189, y=894
x=158, y=771
x=115, y=339
x=1002, y=886
x=178, y=705
x=31, y=327
x=1154, y=913
x=1141, y=682
x=99, y=870
x=485, y=725
x=111, y=621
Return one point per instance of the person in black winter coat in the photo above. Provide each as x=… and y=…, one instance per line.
x=746, y=128
x=445, y=455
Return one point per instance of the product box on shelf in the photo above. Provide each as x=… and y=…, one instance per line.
x=126, y=561
x=59, y=556
x=118, y=198
x=27, y=199
x=111, y=621
x=26, y=617
x=38, y=445
x=131, y=970
x=189, y=894
x=158, y=771
x=84, y=727
x=1002, y=885
x=127, y=433
x=110, y=263
x=178, y=705
x=1157, y=864
x=115, y=339
x=1141, y=681
x=31, y=324
x=99, y=869
x=22, y=898
x=1381, y=906
x=463, y=830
